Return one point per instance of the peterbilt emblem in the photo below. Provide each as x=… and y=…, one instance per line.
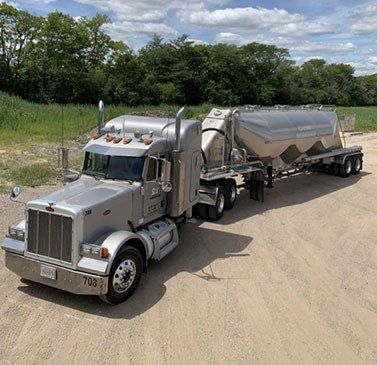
x=50, y=208
x=107, y=212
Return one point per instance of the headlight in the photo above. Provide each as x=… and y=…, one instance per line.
x=88, y=249
x=16, y=233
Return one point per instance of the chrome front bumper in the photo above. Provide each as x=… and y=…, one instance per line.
x=76, y=282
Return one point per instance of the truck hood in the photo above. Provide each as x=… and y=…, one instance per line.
x=87, y=194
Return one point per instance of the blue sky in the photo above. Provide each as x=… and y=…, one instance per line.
x=337, y=31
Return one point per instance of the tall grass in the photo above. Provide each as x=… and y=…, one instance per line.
x=366, y=117
x=20, y=119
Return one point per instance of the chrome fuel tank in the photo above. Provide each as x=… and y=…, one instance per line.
x=287, y=134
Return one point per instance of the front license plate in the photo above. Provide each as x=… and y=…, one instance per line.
x=48, y=272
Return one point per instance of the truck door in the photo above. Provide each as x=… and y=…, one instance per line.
x=154, y=202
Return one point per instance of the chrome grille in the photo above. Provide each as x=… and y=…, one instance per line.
x=50, y=235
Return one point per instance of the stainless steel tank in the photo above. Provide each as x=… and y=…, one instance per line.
x=287, y=134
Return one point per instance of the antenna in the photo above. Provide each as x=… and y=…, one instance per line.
x=62, y=125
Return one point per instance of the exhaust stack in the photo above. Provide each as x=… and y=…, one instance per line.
x=178, y=129
x=101, y=116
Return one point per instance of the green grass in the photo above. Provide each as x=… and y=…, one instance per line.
x=366, y=117
x=21, y=120
x=32, y=175
x=29, y=122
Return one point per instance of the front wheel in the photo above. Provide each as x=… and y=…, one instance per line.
x=124, y=275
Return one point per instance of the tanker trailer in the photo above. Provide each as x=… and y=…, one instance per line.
x=260, y=145
x=283, y=139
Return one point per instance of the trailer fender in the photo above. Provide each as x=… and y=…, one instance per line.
x=114, y=241
x=208, y=194
x=341, y=159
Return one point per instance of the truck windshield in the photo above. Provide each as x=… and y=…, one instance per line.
x=113, y=167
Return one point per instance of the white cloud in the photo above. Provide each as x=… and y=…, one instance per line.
x=363, y=68
x=122, y=30
x=324, y=47
x=364, y=19
x=304, y=28
x=43, y=1
x=255, y=19
x=197, y=42
x=153, y=11
x=373, y=60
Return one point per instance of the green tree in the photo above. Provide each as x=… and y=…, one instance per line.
x=17, y=29
x=266, y=66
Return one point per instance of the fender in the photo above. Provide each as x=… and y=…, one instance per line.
x=114, y=241
x=340, y=160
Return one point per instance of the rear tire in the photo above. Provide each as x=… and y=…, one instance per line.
x=336, y=169
x=346, y=168
x=357, y=165
x=124, y=275
x=215, y=212
x=230, y=193
x=202, y=211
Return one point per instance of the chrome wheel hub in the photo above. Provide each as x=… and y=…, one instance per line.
x=348, y=166
x=357, y=165
x=124, y=276
x=221, y=204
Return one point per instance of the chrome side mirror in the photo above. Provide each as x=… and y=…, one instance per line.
x=16, y=191
x=166, y=185
x=165, y=170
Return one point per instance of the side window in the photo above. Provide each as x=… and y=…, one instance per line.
x=160, y=168
x=152, y=169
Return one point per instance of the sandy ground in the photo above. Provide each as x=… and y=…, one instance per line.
x=290, y=281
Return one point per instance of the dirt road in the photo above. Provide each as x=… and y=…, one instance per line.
x=290, y=281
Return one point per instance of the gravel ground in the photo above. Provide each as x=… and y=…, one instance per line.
x=290, y=281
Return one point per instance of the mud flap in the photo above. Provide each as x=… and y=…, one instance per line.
x=256, y=190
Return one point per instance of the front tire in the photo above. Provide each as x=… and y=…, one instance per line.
x=124, y=275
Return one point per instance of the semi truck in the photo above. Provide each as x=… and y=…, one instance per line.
x=143, y=177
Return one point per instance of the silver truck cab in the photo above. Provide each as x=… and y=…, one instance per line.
x=96, y=235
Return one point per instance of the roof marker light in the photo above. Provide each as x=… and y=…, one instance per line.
x=127, y=140
x=109, y=138
x=148, y=141
x=117, y=140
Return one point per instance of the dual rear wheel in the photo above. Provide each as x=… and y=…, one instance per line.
x=352, y=165
x=226, y=198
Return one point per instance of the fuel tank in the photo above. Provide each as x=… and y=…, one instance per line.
x=287, y=134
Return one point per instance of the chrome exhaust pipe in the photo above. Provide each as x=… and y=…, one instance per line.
x=101, y=116
x=178, y=120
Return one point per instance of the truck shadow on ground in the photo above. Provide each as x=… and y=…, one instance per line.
x=288, y=191
x=198, y=248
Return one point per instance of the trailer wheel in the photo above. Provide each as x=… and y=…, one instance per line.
x=124, y=275
x=346, y=168
x=356, y=165
x=230, y=193
x=215, y=212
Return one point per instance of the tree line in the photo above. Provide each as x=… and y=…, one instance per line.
x=63, y=59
